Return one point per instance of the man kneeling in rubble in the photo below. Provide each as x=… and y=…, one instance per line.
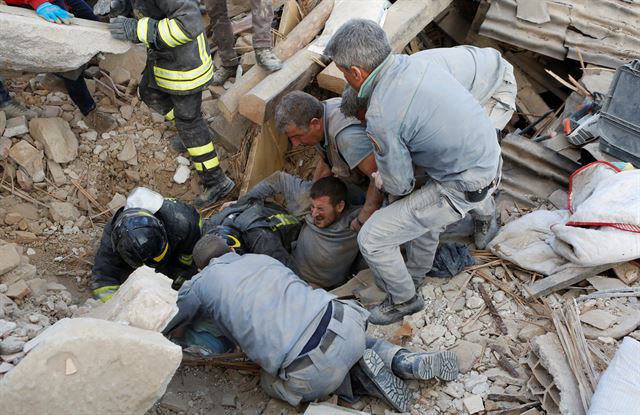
x=308, y=343
x=149, y=230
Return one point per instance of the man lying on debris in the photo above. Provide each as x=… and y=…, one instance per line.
x=326, y=250
x=418, y=114
x=308, y=343
x=179, y=67
x=308, y=121
x=149, y=230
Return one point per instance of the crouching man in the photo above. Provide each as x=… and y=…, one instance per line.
x=307, y=343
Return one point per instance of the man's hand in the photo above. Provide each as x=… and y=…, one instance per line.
x=378, y=180
x=356, y=225
x=124, y=28
x=54, y=14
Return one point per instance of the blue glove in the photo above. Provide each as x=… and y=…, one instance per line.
x=54, y=14
x=124, y=28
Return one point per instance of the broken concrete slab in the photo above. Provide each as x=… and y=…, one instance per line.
x=128, y=152
x=601, y=283
x=29, y=158
x=63, y=211
x=59, y=178
x=599, y=319
x=624, y=325
x=467, y=353
x=20, y=27
x=18, y=290
x=15, y=126
x=474, y=404
x=146, y=300
x=128, y=374
x=120, y=76
x=60, y=143
x=9, y=258
x=133, y=61
x=325, y=408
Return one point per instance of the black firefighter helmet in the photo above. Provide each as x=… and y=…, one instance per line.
x=139, y=238
x=231, y=236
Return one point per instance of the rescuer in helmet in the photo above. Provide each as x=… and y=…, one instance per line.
x=149, y=230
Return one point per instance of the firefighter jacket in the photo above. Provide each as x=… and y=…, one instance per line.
x=182, y=224
x=178, y=59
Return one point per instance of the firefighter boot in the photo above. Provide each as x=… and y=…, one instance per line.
x=223, y=73
x=216, y=185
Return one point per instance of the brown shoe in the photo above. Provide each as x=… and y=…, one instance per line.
x=99, y=121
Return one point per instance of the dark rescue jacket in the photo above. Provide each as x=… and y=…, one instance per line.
x=178, y=59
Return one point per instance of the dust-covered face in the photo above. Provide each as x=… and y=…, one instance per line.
x=323, y=212
x=310, y=136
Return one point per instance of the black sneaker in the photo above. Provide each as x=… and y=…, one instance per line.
x=223, y=73
x=388, y=386
x=388, y=313
x=212, y=193
x=423, y=366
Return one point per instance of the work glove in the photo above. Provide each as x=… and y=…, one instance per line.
x=112, y=7
x=377, y=180
x=54, y=14
x=124, y=28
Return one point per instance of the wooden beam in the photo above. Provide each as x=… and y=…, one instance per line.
x=405, y=19
x=563, y=279
x=299, y=37
x=290, y=18
x=266, y=156
x=528, y=102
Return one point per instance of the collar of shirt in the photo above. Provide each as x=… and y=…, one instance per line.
x=226, y=258
x=370, y=83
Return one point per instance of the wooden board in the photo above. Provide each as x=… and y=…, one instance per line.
x=563, y=279
x=290, y=18
x=266, y=156
x=299, y=37
x=405, y=19
x=528, y=101
x=629, y=272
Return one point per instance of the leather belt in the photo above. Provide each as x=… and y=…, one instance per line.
x=479, y=195
x=303, y=361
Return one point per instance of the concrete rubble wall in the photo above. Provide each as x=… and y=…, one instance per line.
x=89, y=366
x=146, y=300
x=31, y=44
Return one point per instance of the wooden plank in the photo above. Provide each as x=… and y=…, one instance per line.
x=535, y=71
x=266, y=155
x=290, y=18
x=528, y=102
x=405, y=19
x=563, y=279
x=629, y=272
x=299, y=37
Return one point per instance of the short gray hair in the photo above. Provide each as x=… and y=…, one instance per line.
x=351, y=103
x=208, y=247
x=359, y=42
x=298, y=108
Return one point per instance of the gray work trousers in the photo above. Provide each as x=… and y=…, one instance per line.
x=417, y=221
x=330, y=367
x=261, y=17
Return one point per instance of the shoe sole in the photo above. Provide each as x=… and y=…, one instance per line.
x=443, y=365
x=223, y=193
x=389, y=385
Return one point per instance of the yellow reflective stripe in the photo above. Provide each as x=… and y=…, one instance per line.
x=236, y=242
x=209, y=164
x=164, y=252
x=199, y=221
x=170, y=116
x=142, y=30
x=105, y=293
x=186, y=259
x=183, y=85
x=285, y=219
x=186, y=80
x=165, y=34
x=169, y=75
x=199, y=151
x=177, y=32
x=202, y=48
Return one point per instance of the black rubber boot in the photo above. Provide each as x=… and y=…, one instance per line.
x=378, y=380
x=216, y=185
x=177, y=145
x=388, y=313
x=423, y=366
x=223, y=73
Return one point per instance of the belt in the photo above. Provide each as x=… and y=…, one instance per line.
x=479, y=195
x=303, y=360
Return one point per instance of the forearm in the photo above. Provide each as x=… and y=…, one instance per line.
x=372, y=202
x=322, y=170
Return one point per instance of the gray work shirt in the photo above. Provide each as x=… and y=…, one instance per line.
x=419, y=114
x=324, y=256
x=258, y=303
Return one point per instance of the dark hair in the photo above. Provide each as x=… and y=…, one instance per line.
x=208, y=247
x=332, y=187
x=298, y=108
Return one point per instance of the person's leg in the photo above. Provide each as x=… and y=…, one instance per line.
x=502, y=104
x=267, y=242
x=80, y=95
x=5, y=98
x=155, y=99
x=197, y=138
x=262, y=16
x=13, y=108
x=80, y=9
x=224, y=39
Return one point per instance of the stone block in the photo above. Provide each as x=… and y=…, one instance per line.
x=54, y=53
x=25, y=210
x=89, y=366
x=473, y=404
x=146, y=300
x=467, y=353
x=63, y=211
x=128, y=152
x=9, y=258
x=133, y=61
x=57, y=173
x=60, y=143
x=18, y=290
x=30, y=158
x=120, y=76
x=15, y=126
x=599, y=319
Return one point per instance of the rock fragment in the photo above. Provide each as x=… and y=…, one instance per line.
x=63, y=211
x=60, y=143
x=29, y=158
x=16, y=126
x=9, y=258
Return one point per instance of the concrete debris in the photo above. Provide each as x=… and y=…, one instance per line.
x=623, y=325
x=9, y=258
x=599, y=319
x=15, y=126
x=29, y=158
x=98, y=350
x=117, y=201
x=3, y=122
x=18, y=290
x=6, y=327
x=11, y=345
x=324, y=408
x=24, y=181
x=20, y=27
x=126, y=111
x=601, y=283
x=467, y=353
x=133, y=61
x=145, y=300
x=128, y=152
x=552, y=380
x=57, y=174
x=120, y=76
x=63, y=211
x=182, y=174
x=5, y=145
x=474, y=404
x=60, y=143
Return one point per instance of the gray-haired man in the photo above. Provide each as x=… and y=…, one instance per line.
x=308, y=343
x=417, y=114
x=311, y=122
